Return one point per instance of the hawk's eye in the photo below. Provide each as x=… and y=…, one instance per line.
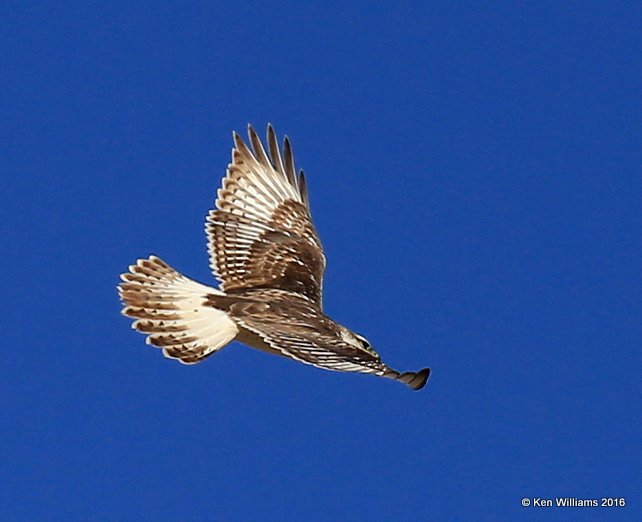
x=364, y=341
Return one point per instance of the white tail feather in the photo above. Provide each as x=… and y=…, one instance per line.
x=170, y=308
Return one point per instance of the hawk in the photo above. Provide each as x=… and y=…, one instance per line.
x=266, y=253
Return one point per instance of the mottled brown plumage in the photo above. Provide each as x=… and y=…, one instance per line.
x=266, y=253
x=261, y=234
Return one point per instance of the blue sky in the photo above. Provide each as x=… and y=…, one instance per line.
x=475, y=178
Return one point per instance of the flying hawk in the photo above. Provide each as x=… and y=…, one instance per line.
x=268, y=258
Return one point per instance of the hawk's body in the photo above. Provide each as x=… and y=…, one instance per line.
x=265, y=251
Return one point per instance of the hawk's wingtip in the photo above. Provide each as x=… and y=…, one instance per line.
x=414, y=380
x=419, y=379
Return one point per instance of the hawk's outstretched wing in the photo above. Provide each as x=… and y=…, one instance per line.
x=261, y=234
x=310, y=345
x=303, y=334
x=294, y=329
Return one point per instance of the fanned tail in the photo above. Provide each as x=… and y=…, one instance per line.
x=172, y=311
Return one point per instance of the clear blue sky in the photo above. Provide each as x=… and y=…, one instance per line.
x=475, y=176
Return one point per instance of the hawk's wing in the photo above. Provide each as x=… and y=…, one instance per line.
x=261, y=234
x=316, y=342
x=305, y=336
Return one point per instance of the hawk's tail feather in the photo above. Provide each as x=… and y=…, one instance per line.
x=415, y=380
x=171, y=309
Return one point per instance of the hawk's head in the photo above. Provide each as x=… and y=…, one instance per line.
x=365, y=344
x=355, y=339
